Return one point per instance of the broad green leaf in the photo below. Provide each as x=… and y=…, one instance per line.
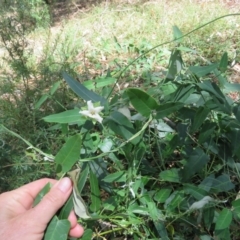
x=106, y=145
x=46, y=96
x=208, y=216
x=202, y=71
x=223, y=234
x=177, y=34
x=55, y=87
x=160, y=227
x=196, y=160
x=119, y=176
x=230, y=87
x=162, y=195
x=95, y=193
x=82, y=91
x=207, y=131
x=41, y=194
x=236, y=206
x=171, y=175
x=174, y=201
x=121, y=126
x=154, y=212
x=41, y=101
x=102, y=82
x=224, y=62
x=223, y=183
x=80, y=207
x=66, y=209
x=206, y=184
x=236, y=111
x=168, y=108
x=182, y=93
x=90, y=84
x=83, y=178
x=69, y=116
x=212, y=88
x=195, y=191
x=224, y=219
x=135, y=208
x=234, y=139
x=69, y=154
x=168, y=88
x=57, y=229
x=141, y=101
x=88, y=233
x=199, y=118
x=175, y=65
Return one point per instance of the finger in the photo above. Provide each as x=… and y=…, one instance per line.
x=76, y=229
x=52, y=201
x=72, y=219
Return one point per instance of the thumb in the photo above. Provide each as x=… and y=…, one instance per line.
x=52, y=201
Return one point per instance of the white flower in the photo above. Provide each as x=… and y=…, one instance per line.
x=92, y=112
x=200, y=204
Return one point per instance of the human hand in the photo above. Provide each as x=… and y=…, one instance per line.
x=19, y=220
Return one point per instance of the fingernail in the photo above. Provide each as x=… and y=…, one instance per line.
x=64, y=185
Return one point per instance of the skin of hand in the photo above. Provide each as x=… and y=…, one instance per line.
x=19, y=220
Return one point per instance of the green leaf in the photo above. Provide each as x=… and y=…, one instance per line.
x=69, y=116
x=102, y=82
x=69, y=154
x=66, y=209
x=57, y=229
x=199, y=118
x=121, y=126
x=168, y=108
x=82, y=179
x=46, y=96
x=88, y=233
x=135, y=208
x=212, y=88
x=171, y=175
x=82, y=91
x=154, y=212
x=224, y=62
x=175, y=65
x=208, y=216
x=116, y=177
x=95, y=193
x=161, y=229
x=195, y=191
x=201, y=71
x=80, y=207
x=196, y=160
x=41, y=101
x=162, y=195
x=177, y=34
x=41, y=194
x=236, y=111
x=224, y=219
x=55, y=87
x=206, y=131
x=223, y=183
x=141, y=101
x=236, y=207
x=182, y=93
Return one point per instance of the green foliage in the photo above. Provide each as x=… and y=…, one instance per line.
x=165, y=144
